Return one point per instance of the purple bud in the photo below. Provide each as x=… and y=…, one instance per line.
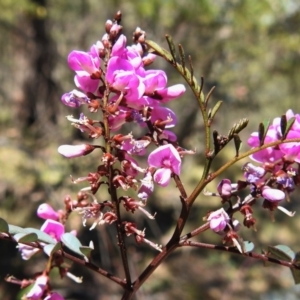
x=224, y=187
x=218, y=220
x=272, y=195
x=74, y=99
x=70, y=151
x=253, y=173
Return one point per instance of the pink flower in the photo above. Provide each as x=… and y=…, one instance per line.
x=218, y=220
x=171, y=92
x=71, y=151
x=168, y=160
x=54, y=229
x=38, y=288
x=122, y=77
x=45, y=211
x=87, y=68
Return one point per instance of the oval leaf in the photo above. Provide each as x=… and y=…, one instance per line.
x=85, y=250
x=12, y=229
x=26, y=237
x=72, y=243
x=279, y=253
x=248, y=246
x=3, y=226
x=42, y=236
x=296, y=272
x=51, y=249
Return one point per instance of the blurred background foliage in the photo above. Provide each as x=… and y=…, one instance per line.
x=248, y=49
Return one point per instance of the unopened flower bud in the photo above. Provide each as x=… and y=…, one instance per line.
x=272, y=195
x=71, y=151
x=108, y=25
x=45, y=211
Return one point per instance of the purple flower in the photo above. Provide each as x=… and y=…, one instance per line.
x=272, y=195
x=253, y=173
x=224, y=188
x=167, y=159
x=147, y=187
x=132, y=146
x=288, y=150
x=218, y=220
x=71, y=151
x=45, y=211
x=74, y=99
x=38, y=288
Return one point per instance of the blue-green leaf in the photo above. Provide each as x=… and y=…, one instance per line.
x=72, y=243
x=248, y=246
x=26, y=237
x=12, y=229
x=42, y=236
x=51, y=248
x=86, y=250
x=281, y=252
x=296, y=272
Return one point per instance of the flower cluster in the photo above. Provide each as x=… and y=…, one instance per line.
x=273, y=180
x=114, y=78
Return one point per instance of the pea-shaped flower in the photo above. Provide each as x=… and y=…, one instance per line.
x=167, y=159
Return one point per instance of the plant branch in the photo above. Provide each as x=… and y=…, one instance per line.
x=254, y=255
x=74, y=259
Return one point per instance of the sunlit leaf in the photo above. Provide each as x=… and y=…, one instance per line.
x=289, y=125
x=72, y=243
x=248, y=246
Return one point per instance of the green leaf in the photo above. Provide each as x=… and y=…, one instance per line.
x=42, y=236
x=51, y=248
x=86, y=250
x=296, y=272
x=171, y=47
x=214, y=110
x=281, y=252
x=12, y=229
x=160, y=51
x=288, y=127
x=237, y=144
x=26, y=237
x=3, y=226
x=283, y=125
x=248, y=246
x=72, y=243
x=182, y=57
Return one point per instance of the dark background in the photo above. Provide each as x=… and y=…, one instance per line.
x=248, y=49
